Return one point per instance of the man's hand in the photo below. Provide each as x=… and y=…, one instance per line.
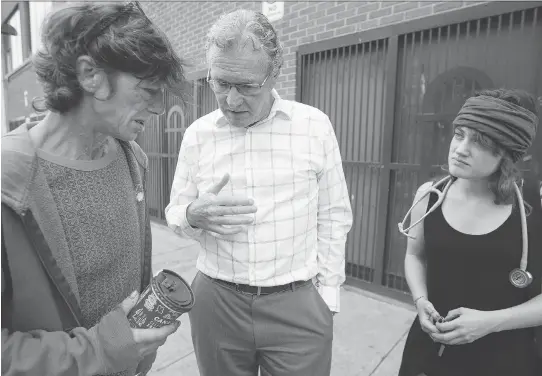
x=216, y=214
x=148, y=340
x=464, y=325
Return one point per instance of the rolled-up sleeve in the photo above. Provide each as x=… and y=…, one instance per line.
x=183, y=191
x=334, y=223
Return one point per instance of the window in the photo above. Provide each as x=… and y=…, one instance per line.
x=38, y=12
x=14, y=43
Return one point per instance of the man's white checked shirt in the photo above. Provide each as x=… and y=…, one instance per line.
x=290, y=164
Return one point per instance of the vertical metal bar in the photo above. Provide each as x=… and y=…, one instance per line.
x=300, y=66
x=340, y=100
x=428, y=78
x=369, y=138
x=538, y=63
x=400, y=155
x=457, y=63
x=413, y=118
x=339, y=127
x=358, y=211
x=467, y=40
x=366, y=158
x=509, y=65
x=409, y=66
x=367, y=99
x=349, y=248
x=304, y=89
x=384, y=184
x=382, y=76
x=537, y=88
x=362, y=149
x=330, y=87
x=362, y=100
x=318, y=82
x=498, y=62
x=349, y=108
x=488, y=35
x=312, y=80
x=416, y=49
x=343, y=103
x=357, y=148
x=524, y=72
x=306, y=94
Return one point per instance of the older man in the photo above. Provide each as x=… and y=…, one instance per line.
x=259, y=183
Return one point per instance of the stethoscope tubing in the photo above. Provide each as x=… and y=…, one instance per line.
x=515, y=278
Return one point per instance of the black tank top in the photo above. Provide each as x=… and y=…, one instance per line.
x=472, y=271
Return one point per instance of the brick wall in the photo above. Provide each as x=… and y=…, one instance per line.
x=187, y=23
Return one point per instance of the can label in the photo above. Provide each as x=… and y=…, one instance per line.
x=150, y=311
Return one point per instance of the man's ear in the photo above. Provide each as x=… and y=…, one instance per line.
x=92, y=79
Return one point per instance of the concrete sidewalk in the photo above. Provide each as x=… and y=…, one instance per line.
x=369, y=332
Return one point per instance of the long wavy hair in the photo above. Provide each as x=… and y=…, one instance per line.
x=501, y=182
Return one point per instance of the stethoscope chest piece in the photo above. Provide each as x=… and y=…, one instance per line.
x=520, y=278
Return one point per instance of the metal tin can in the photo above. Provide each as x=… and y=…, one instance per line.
x=166, y=298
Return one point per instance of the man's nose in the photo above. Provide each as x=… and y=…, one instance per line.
x=234, y=99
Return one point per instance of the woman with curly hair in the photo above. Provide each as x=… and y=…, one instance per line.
x=474, y=254
x=76, y=241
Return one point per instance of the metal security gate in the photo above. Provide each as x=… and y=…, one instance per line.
x=392, y=93
x=162, y=139
x=348, y=84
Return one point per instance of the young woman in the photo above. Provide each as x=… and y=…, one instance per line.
x=473, y=263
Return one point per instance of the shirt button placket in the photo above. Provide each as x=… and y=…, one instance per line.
x=249, y=183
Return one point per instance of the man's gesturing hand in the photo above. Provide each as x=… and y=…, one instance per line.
x=217, y=214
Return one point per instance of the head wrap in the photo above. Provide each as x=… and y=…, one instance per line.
x=511, y=126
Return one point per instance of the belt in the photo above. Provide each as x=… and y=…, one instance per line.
x=261, y=290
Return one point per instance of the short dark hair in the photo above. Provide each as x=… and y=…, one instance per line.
x=119, y=37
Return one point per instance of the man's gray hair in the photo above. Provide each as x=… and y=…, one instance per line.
x=242, y=26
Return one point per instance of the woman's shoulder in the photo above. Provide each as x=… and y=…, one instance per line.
x=425, y=188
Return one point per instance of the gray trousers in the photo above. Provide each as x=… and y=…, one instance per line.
x=283, y=334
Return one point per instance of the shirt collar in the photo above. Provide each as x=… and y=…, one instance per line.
x=280, y=108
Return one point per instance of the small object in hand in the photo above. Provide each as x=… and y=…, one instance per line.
x=441, y=349
x=166, y=298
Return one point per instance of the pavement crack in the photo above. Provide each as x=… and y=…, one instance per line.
x=175, y=361
x=389, y=352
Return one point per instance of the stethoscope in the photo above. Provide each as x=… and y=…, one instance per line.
x=519, y=277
